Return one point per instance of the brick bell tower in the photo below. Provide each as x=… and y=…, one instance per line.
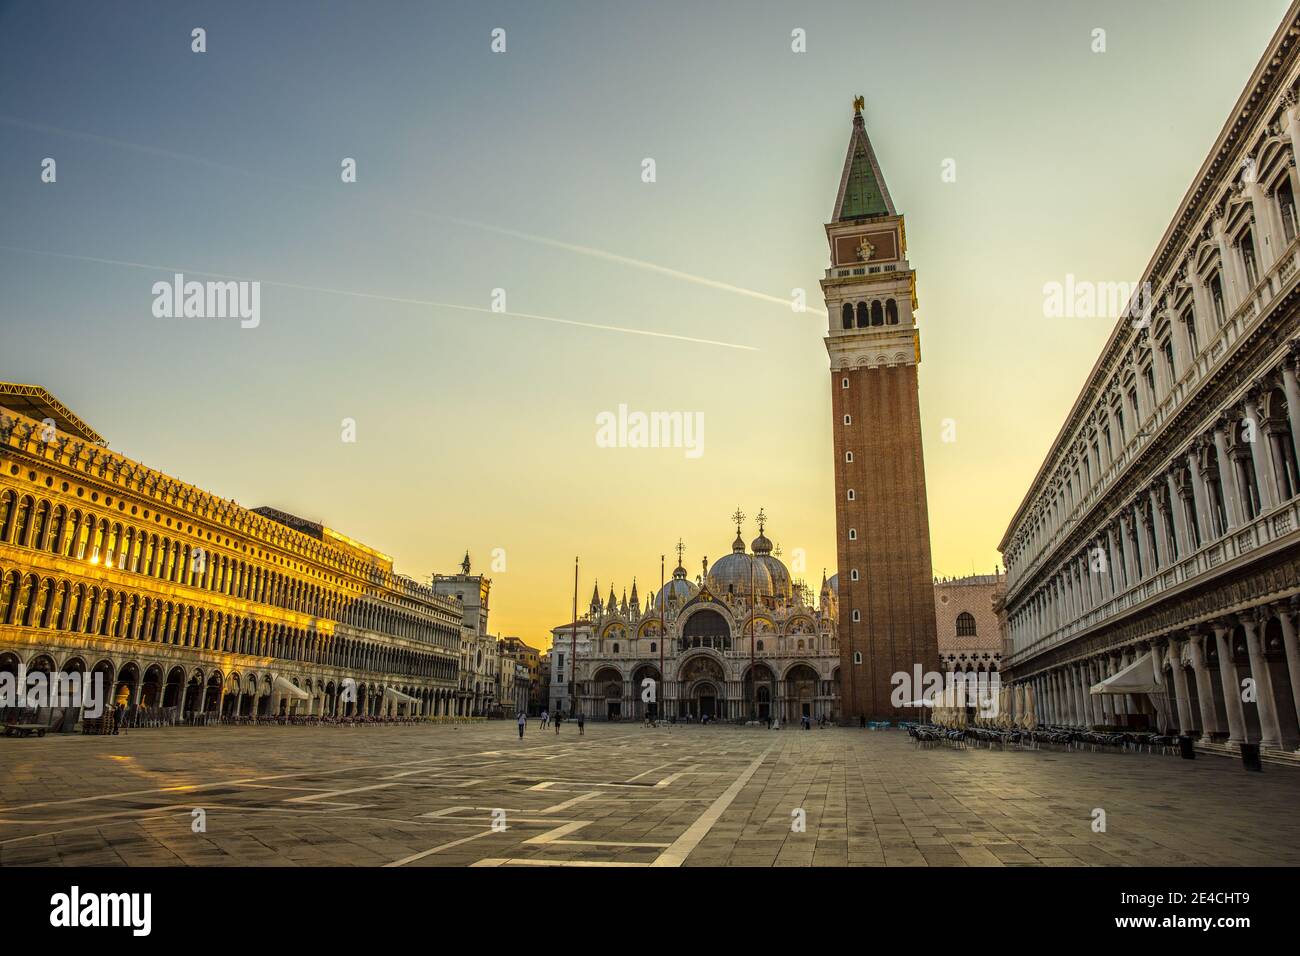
x=885, y=587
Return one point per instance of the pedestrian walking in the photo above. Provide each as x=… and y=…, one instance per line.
x=559, y=719
x=523, y=722
x=546, y=719
x=582, y=724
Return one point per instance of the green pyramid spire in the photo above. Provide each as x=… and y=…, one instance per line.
x=862, y=187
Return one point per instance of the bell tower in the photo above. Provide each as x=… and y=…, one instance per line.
x=885, y=584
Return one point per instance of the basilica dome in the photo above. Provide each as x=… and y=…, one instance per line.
x=679, y=588
x=733, y=573
x=782, y=587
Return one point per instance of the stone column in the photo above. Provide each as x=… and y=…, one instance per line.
x=1098, y=700
x=1292, y=646
x=1265, y=479
x=1144, y=543
x=1227, y=476
x=1204, y=691
x=1181, y=531
x=1201, y=499
x=1231, y=685
x=1107, y=701
x=1269, y=726
x=1130, y=702
x=1180, y=686
x=1291, y=388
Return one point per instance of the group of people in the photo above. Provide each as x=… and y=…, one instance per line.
x=558, y=718
x=548, y=719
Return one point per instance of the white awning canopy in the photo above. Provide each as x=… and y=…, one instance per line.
x=290, y=689
x=1138, y=678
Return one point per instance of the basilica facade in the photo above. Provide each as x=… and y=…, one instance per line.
x=743, y=641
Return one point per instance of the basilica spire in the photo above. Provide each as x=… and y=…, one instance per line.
x=863, y=192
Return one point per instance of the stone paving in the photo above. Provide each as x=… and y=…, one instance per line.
x=621, y=795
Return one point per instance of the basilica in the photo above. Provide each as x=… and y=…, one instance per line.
x=742, y=641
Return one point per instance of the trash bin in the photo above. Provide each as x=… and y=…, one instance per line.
x=1186, y=747
x=1250, y=757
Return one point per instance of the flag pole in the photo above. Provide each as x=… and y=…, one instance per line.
x=573, y=663
x=659, y=711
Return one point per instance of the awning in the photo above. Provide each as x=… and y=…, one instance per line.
x=399, y=696
x=1138, y=678
x=290, y=689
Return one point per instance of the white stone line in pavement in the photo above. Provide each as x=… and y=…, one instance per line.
x=527, y=862
x=249, y=780
x=646, y=773
x=681, y=848
x=319, y=799
x=438, y=849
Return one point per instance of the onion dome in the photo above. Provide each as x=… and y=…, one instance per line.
x=780, y=575
x=738, y=572
x=679, y=589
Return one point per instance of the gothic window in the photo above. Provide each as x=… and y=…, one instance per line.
x=852, y=494
x=846, y=315
x=891, y=312
x=857, y=657
x=848, y=456
x=965, y=624
x=853, y=534
x=877, y=314
x=863, y=315
x=853, y=574
x=844, y=382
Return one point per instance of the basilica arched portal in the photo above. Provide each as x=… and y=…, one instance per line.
x=703, y=688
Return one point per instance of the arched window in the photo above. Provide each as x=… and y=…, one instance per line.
x=846, y=314
x=891, y=312
x=877, y=313
x=863, y=315
x=965, y=624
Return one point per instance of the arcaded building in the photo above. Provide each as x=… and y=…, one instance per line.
x=1161, y=536
x=185, y=600
x=966, y=622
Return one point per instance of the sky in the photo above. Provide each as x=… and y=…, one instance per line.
x=524, y=171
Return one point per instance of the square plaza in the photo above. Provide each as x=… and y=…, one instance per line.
x=622, y=795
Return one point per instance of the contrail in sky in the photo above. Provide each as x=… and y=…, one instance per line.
x=576, y=248
x=403, y=300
